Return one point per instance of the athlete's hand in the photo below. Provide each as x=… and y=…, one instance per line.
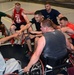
x=26, y=69
x=19, y=32
x=15, y=35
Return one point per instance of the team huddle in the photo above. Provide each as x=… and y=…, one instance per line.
x=52, y=39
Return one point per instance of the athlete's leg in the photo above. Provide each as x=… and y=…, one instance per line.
x=28, y=41
x=29, y=44
x=20, y=37
x=12, y=29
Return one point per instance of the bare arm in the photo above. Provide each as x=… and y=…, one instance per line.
x=25, y=27
x=25, y=17
x=36, y=54
x=8, y=38
x=59, y=16
x=67, y=30
x=9, y=16
x=30, y=28
x=36, y=32
x=68, y=43
x=13, y=17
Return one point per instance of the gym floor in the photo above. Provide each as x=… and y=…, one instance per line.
x=7, y=7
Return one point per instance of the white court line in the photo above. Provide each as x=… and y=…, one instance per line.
x=9, y=9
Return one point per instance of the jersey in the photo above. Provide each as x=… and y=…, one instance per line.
x=70, y=25
x=37, y=24
x=18, y=18
x=55, y=47
x=52, y=15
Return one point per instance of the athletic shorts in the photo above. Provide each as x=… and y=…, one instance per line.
x=18, y=25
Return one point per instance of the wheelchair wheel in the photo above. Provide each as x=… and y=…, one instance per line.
x=7, y=31
x=37, y=69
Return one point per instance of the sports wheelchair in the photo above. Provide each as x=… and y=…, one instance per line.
x=65, y=67
x=40, y=68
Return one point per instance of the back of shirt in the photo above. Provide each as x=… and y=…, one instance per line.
x=55, y=45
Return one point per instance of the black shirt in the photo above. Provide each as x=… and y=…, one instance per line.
x=2, y=15
x=52, y=15
x=37, y=24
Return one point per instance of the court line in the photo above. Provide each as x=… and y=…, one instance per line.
x=9, y=9
x=7, y=20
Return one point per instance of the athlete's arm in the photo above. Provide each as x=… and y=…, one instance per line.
x=68, y=42
x=25, y=27
x=37, y=53
x=8, y=38
x=36, y=32
x=67, y=30
x=9, y=16
x=60, y=15
x=25, y=17
x=13, y=18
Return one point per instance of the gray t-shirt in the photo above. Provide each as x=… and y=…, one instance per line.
x=55, y=45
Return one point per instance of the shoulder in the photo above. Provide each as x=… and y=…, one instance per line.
x=43, y=10
x=21, y=9
x=14, y=10
x=54, y=10
x=33, y=20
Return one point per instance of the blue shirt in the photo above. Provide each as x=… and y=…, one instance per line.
x=52, y=15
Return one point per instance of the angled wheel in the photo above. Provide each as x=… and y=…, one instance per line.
x=37, y=69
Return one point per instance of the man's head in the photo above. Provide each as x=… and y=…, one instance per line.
x=47, y=25
x=38, y=16
x=47, y=6
x=63, y=21
x=17, y=6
